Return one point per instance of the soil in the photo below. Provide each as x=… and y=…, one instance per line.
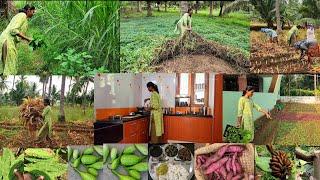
x=273, y=58
x=289, y=116
x=180, y=54
x=195, y=63
x=63, y=135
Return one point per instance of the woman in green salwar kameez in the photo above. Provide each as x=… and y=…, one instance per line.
x=184, y=23
x=156, y=129
x=13, y=34
x=245, y=111
x=45, y=132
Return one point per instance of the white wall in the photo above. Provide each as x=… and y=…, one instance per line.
x=166, y=85
x=117, y=90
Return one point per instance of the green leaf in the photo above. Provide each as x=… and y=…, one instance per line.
x=263, y=163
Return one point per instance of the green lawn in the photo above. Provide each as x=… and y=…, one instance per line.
x=73, y=114
x=141, y=35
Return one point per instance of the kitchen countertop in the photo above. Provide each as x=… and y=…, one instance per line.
x=189, y=115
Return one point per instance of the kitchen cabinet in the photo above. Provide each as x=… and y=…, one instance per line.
x=136, y=131
x=190, y=129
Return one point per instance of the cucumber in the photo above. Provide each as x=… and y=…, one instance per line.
x=89, y=159
x=69, y=152
x=135, y=174
x=121, y=176
x=130, y=159
x=141, y=167
x=93, y=171
x=76, y=163
x=85, y=175
x=75, y=154
x=88, y=151
x=98, y=165
x=129, y=149
x=105, y=152
x=98, y=149
x=113, y=154
x=142, y=149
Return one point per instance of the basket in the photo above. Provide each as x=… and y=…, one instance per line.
x=246, y=160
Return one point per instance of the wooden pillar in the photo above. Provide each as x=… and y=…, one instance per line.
x=218, y=110
x=242, y=82
x=273, y=83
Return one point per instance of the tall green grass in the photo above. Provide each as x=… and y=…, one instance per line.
x=91, y=26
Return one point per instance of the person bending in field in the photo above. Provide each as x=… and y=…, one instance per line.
x=10, y=37
x=292, y=35
x=184, y=24
x=304, y=45
x=245, y=111
x=272, y=34
x=45, y=132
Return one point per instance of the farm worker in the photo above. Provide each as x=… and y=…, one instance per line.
x=245, y=111
x=304, y=45
x=184, y=23
x=292, y=35
x=272, y=34
x=310, y=34
x=156, y=128
x=46, y=130
x=10, y=37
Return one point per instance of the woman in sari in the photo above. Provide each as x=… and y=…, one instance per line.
x=245, y=111
x=45, y=132
x=10, y=37
x=156, y=116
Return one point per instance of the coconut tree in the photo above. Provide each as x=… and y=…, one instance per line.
x=266, y=10
x=221, y=7
x=62, y=117
x=278, y=15
x=138, y=6
x=210, y=8
x=149, y=9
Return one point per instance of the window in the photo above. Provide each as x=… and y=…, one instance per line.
x=256, y=82
x=239, y=83
x=192, y=89
x=230, y=83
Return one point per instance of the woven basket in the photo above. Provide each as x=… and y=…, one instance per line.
x=246, y=160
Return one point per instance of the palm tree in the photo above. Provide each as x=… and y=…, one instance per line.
x=138, y=6
x=62, y=117
x=265, y=9
x=50, y=86
x=221, y=7
x=278, y=15
x=149, y=9
x=210, y=9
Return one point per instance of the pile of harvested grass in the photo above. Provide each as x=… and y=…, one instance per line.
x=192, y=43
x=31, y=111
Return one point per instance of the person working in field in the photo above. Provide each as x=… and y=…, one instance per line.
x=184, y=24
x=306, y=44
x=245, y=111
x=156, y=120
x=45, y=132
x=272, y=34
x=292, y=35
x=10, y=37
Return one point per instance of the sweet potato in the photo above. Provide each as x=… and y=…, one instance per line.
x=234, y=168
x=228, y=165
x=222, y=171
x=238, y=177
x=218, y=155
x=216, y=165
x=238, y=167
x=229, y=176
x=235, y=149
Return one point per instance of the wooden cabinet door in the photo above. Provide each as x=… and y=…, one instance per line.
x=129, y=131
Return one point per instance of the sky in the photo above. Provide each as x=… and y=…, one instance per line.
x=56, y=80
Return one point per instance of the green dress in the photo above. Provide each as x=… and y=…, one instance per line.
x=156, y=113
x=245, y=110
x=8, y=42
x=292, y=32
x=183, y=24
x=46, y=129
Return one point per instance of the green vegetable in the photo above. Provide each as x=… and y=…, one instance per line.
x=88, y=151
x=75, y=154
x=135, y=174
x=129, y=149
x=16, y=165
x=142, y=149
x=105, y=152
x=263, y=163
x=98, y=149
x=141, y=167
x=37, y=173
x=93, y=171
x=98, y=165
x=130, y=159
x=85, y=175
x=121, y=176
x=89, y=159
x=115, y=163
x=40, y=153
x=69, y=152
x=113, y=154
x=76, y=163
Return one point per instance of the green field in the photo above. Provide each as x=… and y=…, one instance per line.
x=141, y=35
x=10, y=114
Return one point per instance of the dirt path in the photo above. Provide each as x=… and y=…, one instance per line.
x=195, y=63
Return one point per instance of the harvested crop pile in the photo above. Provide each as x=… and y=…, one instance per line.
x=266, y=57
x=31, y=111
x=225, y=161
x=193, y=44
